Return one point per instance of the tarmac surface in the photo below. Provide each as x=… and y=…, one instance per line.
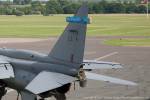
x=135, y=60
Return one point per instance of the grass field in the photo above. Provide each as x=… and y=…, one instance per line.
x=129, y=42
x=102, y=25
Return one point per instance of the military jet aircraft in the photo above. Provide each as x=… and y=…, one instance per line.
x=34, y=74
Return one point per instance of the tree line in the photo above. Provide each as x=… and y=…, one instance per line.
x=28, y=7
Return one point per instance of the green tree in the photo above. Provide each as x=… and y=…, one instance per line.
x=130, y=8
x=17, y=1
x=19, y=13
x=100, y=7
x=115, y=8
x=141, y=9
x=23, y=2
x=27, y=1
x=71, y=8
x=96, y=8
x=53, y=7
x=27, y=10
x=9, y=11
x=2, y=10
x=91, y=6
x=64, y=3
x=138, y=1
x=36, y=5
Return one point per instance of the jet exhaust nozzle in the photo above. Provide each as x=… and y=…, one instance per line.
x=83, y=83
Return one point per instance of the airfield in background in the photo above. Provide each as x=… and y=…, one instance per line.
x=135, y=61
x=39, y=33
x=131, y=26
x=53, y=25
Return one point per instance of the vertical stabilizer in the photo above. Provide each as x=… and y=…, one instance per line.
x=69, y=48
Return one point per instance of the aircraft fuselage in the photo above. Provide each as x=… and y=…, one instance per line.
x=25, y=67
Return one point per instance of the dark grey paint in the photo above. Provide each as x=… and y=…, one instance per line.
x=66, y=57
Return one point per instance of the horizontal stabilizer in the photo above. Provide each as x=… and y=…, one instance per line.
x=98, y=77
x=92, y=64
x=46, y=81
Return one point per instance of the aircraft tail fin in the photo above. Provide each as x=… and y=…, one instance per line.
x=69, y=48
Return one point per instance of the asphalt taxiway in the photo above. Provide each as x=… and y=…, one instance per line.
x=135, y=60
